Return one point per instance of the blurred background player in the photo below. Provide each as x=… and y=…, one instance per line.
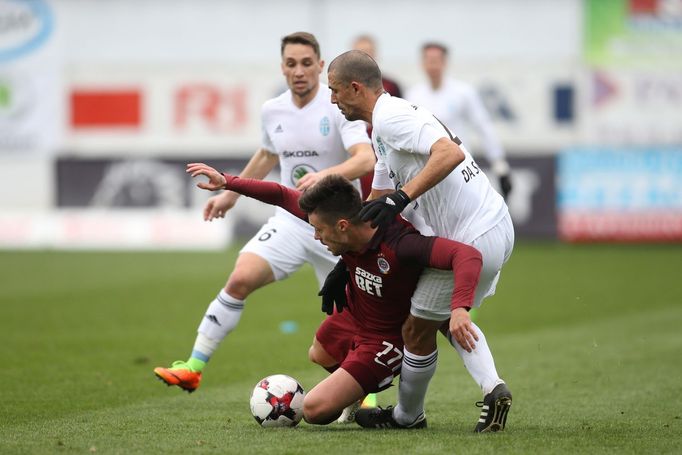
x=459, y=106
x=309, y=138
x=385, y=263
x=367, y=44
x=419, y=159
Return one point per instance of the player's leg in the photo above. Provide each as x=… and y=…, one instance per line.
x=378, y=363
x=427, y=312
x=418, y=367
x=369, y=367
x=332, y=343
x=325, y=402
x=333, y=340
x=272, y=254
x=495, y=247
x=317, y=354
x=222, y=316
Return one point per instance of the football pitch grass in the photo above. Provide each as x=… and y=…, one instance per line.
x=588, y=338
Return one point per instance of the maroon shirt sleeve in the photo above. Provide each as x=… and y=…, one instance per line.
x=439, y=253
x=269, y=192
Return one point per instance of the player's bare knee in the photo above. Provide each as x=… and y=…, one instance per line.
x=240, y=285
x=251, y=272
x=314, y=411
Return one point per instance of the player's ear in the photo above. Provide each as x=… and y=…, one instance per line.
x=356, y=86
x=321, y=65
x=342, y=225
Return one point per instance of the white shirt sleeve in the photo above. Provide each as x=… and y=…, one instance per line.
x=428, y=136
x=381, y=180
x=401, y=132
x=413, y=133
x=351, y=132
x=480, y=120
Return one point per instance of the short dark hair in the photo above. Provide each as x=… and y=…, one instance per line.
x=356, y=66
x=305, y=38
x=332, y=198
x=435, y=45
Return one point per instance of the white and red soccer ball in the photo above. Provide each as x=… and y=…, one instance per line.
x=277, y=401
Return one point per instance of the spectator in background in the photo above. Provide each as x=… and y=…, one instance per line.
x=459, y=106
x=366, y=44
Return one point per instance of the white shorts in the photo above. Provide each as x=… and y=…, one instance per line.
x=286, y=243
x=431, y=300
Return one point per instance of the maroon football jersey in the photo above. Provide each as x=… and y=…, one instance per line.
x=380, y=284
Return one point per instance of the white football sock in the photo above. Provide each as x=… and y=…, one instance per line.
x=415, y=375
x=479, y=362
x=221, y=317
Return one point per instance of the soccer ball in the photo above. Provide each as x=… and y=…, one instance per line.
x=277, y=401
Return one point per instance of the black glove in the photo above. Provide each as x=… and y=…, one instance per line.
x=334, y=289
x=382, y=210
x=505, y=185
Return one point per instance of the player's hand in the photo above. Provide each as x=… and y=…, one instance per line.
x=217, y=206
x=505, y=185
x=462, y=330
x=383, y=209
x=334, y=289
x=308, y=180
x=216, y=181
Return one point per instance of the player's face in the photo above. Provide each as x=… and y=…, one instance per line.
x=433, y=61
x=301, y=68
x=344, y=96
x=330, y=235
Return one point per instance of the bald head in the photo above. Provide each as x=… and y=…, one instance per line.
x=356, y=66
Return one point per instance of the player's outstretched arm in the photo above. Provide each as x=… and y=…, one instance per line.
x=269, y=192
x=216, y=180
x=260, y=164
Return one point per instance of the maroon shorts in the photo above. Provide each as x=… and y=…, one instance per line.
x=373, y=361
x=336, y=334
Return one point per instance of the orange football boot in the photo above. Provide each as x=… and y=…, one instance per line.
x=179, y=374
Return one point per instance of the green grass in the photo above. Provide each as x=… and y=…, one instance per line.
x=588, y=338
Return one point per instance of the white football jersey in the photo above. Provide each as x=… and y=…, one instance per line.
x=462, y=206
x=308, y=139
x=460, y=108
